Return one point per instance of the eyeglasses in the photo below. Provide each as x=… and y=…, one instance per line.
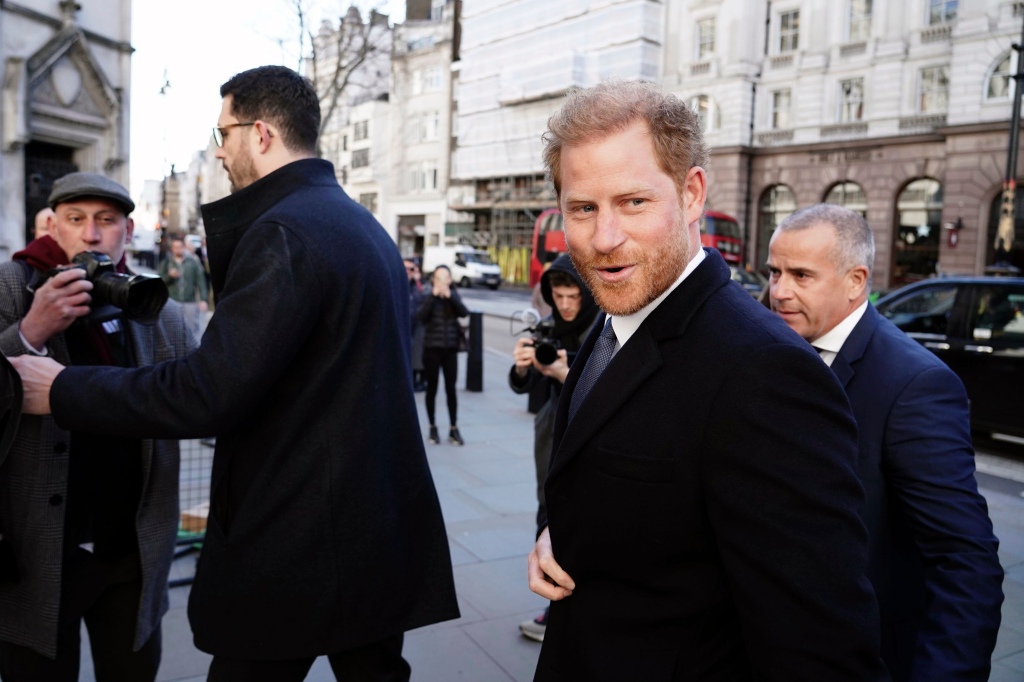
x=218, y=131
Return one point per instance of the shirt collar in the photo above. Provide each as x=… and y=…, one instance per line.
x=833, y=340
x=626, y=325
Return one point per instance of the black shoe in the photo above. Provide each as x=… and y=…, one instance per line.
x=433, y=437
x=454, y=437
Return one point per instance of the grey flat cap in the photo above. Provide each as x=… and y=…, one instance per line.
x=85, y=185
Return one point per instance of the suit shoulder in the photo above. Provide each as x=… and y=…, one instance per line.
x=740, y=321
x=890, y=347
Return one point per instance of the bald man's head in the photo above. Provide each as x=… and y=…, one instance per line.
x=42, y=224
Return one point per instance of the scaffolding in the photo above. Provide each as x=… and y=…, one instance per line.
x=505, y=210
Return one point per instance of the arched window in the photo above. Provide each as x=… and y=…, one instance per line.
x=918, y=228
x=777, y=203
x=848, y=194
x=1000, y=81
x=707, y=113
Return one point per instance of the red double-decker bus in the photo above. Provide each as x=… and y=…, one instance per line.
x=722, y=232
x=717, y=230
x=548, y=242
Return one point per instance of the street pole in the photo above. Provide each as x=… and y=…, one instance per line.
x=1005, y=233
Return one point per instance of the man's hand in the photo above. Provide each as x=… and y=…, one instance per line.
x=523, y=355
x=546, y=577
x=37, y=375
x=441, y=291
x=173, y=272
x=557, y=370
x=60, y=301
x=203, y=307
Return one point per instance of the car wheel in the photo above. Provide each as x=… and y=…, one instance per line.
x=465, y=283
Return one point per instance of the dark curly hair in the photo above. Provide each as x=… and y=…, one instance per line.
x=280, y=96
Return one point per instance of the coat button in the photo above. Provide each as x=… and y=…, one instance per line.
x=60, y=447
x=56, y=500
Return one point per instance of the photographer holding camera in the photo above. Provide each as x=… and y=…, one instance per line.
x=88, y=523
x=546, y=358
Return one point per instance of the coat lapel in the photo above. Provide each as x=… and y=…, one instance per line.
x=635, y=362
x=627, y=371
x=853, y=348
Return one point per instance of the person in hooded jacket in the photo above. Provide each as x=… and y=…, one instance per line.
x=573, y=312
x=439, y=312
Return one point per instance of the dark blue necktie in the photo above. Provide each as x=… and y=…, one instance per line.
x=596, y=363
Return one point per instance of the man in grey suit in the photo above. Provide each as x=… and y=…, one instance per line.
x=88, y=523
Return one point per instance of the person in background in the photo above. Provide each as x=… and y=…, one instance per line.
x=186, y=283
x=932, y=555
x=439, y=313
x=412, y=269
x=42, y=222
x=90, y=521
x=573, y=312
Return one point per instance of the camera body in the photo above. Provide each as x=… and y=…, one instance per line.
x=138, y=296
x=545, y=346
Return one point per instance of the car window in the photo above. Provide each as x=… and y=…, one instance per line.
x=998, y=314
x=923, y=312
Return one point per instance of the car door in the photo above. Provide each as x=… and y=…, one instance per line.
x=991, y=364
x=931, y=315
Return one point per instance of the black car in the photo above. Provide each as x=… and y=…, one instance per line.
x=751, y=280
x=976, y=325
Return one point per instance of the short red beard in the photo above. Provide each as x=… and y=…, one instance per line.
x=655, y=272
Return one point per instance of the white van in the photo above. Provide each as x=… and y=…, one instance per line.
x=469, y=266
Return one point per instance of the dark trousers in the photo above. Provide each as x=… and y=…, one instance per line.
x=105, y=594
x=378, y=662
x=447, y=359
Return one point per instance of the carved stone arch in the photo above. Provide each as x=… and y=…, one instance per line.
x=72, y=103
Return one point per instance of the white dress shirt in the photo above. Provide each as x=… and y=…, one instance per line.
x=626, y=325
x=829, y=343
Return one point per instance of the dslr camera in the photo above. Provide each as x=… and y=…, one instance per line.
x=138, y=296
x=545, y=346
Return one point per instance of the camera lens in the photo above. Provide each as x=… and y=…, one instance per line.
x=545, y=352
x=138, y=296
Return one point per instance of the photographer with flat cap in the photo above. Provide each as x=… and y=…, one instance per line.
x=88, y=522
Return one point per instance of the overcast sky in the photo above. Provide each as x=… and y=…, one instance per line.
x=201, y=44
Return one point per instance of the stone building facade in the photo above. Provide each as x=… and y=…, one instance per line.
x=897, y=108
x=65, y=101
x=420, y=133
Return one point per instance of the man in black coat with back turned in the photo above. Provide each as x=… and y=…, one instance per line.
x=325, y=534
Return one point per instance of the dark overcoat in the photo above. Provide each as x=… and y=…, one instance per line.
x=704, y=499
x=325, y=531
x=932, y=555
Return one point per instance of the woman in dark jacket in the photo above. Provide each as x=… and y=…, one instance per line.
x=439, y=312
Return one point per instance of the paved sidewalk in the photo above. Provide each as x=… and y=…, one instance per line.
x=487, y=494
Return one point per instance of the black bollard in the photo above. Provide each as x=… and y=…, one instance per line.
x=475, y=356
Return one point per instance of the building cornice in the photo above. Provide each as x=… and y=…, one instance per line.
x=830, y=145
x=976, y=128
x=57, y=24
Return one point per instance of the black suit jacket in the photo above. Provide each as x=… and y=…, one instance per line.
x=932, y=553
x=704, y=499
